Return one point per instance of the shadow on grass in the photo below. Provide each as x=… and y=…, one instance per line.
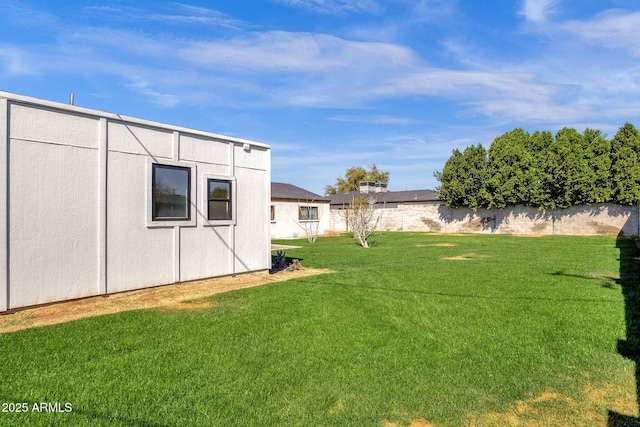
x=629, y=348
x=605, y=281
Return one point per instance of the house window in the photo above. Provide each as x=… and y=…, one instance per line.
x=273, y=213
x=219, y=199
x=171, y=189
x=308, y=213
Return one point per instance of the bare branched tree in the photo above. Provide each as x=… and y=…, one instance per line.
x=310, y=220
x=362, y=217
x=311, y=230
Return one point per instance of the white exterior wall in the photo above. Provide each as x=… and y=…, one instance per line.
x=77, y=191
x=599, y=219
x=286, y=224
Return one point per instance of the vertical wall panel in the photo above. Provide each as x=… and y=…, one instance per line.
x=4, y=206
x=252, y=230
x=137, y=256
x=53, y=238
x=102, y=207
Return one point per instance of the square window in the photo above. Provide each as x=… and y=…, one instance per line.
x=308, y=213
x=219, y=199
x=171, y=189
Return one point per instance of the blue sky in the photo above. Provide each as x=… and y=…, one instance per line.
x=331, y=84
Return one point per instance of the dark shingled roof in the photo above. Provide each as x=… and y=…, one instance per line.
x=409, y=196
x=281, y=190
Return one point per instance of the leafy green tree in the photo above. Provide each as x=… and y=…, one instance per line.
x=625, y=165
x=545, y=171
x=354, y=176
x=575, y=176
x=452, y=190
x=567, y=178
x=542, y=181
x=510, y=175
x=463, y=178
x=598, y=154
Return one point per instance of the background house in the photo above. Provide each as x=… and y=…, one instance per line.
x=295, y=212
x=94, y=203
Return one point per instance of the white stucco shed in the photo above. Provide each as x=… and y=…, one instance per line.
x=94, y=203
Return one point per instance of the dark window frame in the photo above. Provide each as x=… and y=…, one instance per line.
x=154, y=216
x=228, y=200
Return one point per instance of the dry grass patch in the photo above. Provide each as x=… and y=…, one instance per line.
x=179, y=296
x=414, y=423
x=551, y=408
x=472, y=256
x=188, y=305
x=337, y=407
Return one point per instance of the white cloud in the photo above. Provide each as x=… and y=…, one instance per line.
x=178, y=13
x=280, y=68
x=537, y=10
x=280, y=51
x=201, y=16
x=376, y=119
x=335, y=7
x=166, y=100
x=16, y=62
x=19, y=14
x=611, y=29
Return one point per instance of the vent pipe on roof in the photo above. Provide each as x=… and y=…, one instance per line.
x=71, y=99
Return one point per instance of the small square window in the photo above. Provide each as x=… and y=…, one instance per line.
x=308, y=213
x=171, y=189
x=219, y=199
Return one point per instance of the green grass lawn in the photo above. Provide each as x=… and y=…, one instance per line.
x=420, y=329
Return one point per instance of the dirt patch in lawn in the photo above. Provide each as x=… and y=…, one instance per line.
x=415, y=423
x=465, y=257
x=550, y=408
x=183, y=296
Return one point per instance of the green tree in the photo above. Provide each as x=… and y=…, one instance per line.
x=354, y=176
x=598, y=154
x=545, y=171
x=566, y=173
x=463, y=178
x=625, y=165
x=510, y=175
x=575, y=178
x=540, y=190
